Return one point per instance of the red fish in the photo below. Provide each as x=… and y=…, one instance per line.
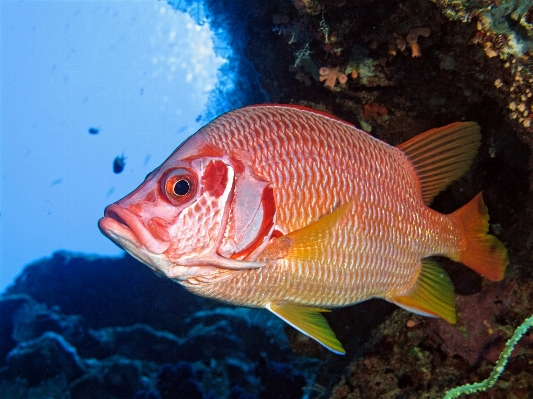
x=289, y=209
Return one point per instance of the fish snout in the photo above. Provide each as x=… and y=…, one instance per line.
x=119, y=224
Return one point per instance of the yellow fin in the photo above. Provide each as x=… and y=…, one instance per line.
x=433, y=294
x=310, y=322
x=442, y=155
x=309, y=242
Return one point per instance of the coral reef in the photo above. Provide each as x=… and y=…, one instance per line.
x=108, y=328
x=419, y=64
x=463, y=53
x=54, y=343
x=415, y=357
x=499, y=367
x=505, y=31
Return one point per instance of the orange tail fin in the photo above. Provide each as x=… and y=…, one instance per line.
x=483, y=252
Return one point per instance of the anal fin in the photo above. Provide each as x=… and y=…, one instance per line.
x=309, y=321
x=433, y=294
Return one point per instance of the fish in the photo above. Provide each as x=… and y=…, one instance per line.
x=119, y=163
x=298, y=212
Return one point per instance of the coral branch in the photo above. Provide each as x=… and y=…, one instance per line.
x=331, y=75
x=498, y=369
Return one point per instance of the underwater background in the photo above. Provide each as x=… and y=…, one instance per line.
x=77, y=326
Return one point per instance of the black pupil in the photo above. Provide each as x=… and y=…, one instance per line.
x=181, y=187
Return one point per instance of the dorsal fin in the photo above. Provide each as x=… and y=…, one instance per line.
x=442, y=155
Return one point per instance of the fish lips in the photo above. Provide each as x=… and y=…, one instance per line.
x=123, y=227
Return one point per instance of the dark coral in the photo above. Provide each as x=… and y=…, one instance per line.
x=43, y=358
x=416, y=357
x=178, y=381
x=279, y=380
x=211, y=350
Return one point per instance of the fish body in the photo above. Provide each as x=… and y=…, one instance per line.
x=292, y=210
x=119, y=163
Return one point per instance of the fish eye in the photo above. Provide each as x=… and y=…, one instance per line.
x=182, y=187
x=178, y=185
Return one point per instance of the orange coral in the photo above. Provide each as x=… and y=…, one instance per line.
x=415, y=50
x=331, y=75
x=412, y=38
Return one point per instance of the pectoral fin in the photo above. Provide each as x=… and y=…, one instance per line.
x=307, y=243
x=310, y=322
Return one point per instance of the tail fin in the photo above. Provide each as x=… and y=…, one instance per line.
x=483, y=252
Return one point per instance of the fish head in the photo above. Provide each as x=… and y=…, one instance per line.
x=201, y=211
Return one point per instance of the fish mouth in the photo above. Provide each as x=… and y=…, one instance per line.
x=125, y=228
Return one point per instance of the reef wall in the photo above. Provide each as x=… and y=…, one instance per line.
x=395, y=69
x=77, y=327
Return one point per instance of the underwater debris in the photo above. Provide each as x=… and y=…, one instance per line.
x=331, y=75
